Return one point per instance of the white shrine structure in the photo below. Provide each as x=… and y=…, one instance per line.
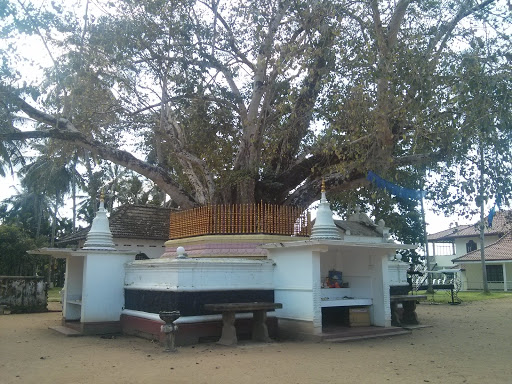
x=301, y=266
x=107, y=290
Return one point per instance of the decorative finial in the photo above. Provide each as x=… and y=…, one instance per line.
x=102, y=196
x=180, y=253
x=323, y=186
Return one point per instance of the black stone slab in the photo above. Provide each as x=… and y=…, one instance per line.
x=399, y=289
x=190, y=303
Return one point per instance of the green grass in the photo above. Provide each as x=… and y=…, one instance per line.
x=54, y=294
x=465, y=296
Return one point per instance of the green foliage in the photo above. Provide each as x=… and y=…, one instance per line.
x=401, y=215
x=29, y=210
x=14, y=259
x=480, y=92
x=246, y=100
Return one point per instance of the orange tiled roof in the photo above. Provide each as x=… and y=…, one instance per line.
x=499, y=250
x=133, y=221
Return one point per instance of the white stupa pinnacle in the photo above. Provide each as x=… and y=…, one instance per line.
x=324, y=227
x=99, y=236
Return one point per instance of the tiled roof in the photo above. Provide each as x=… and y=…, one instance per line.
x=133, y=221
x=447, y=233
x=357, y=228
x=501, y=224
x=500, y=250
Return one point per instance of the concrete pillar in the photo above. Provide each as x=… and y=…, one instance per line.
x=505, y=288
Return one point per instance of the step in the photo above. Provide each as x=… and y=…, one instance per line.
x=66, y=331
x=365, y=337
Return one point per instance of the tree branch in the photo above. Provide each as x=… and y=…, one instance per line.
x=309, y=191
x=445, y=30
x=65, y=130
x=396, y=20
x=231, y=38
x=59, y=123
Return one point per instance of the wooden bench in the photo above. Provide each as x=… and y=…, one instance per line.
x=409, y=315
x=259, y=326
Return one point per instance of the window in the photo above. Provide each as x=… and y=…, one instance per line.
x=470, y=246
x=494, y=272
x=443, y=249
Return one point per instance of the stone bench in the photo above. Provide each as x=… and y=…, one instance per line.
x=408, y=316
x=259, y=326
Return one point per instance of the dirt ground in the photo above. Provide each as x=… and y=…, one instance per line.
x=467, y=343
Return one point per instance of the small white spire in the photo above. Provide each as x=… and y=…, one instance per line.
x=324, y=227
x=99, y=236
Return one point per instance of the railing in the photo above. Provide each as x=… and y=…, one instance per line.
x=240, y=219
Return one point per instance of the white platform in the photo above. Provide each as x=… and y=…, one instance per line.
x=341, y=297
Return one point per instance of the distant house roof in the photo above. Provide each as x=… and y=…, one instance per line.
x=447, y=233
x=500, y=250
x=132, y=221
x=501, y=224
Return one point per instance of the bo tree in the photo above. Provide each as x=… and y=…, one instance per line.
x=253, y=100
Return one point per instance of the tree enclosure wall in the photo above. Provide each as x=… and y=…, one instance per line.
x=24, y=294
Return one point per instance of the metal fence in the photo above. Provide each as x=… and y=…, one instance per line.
x=232, y=219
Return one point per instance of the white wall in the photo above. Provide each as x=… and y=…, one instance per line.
x=152, y=248
x=296, y=273
x=472, y=278
x=199, y=274
x=71, y=307
x=460, y=244
x=102, y=290
x=445, y=261
x=300, y=270
x=358, y=272
x=397, y=272
x=368, y=277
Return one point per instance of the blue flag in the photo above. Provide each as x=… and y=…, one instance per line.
x=492, y=212
x=394, y=189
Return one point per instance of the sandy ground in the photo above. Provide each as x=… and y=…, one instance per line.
x=468, y=343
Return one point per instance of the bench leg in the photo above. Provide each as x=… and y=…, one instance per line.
x=395, y=316
x=228, y=336
x=410, y=316
x=259, y=326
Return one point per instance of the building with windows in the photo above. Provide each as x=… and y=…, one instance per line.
x=461, y=239
x=459, y=247
x=498, y=265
